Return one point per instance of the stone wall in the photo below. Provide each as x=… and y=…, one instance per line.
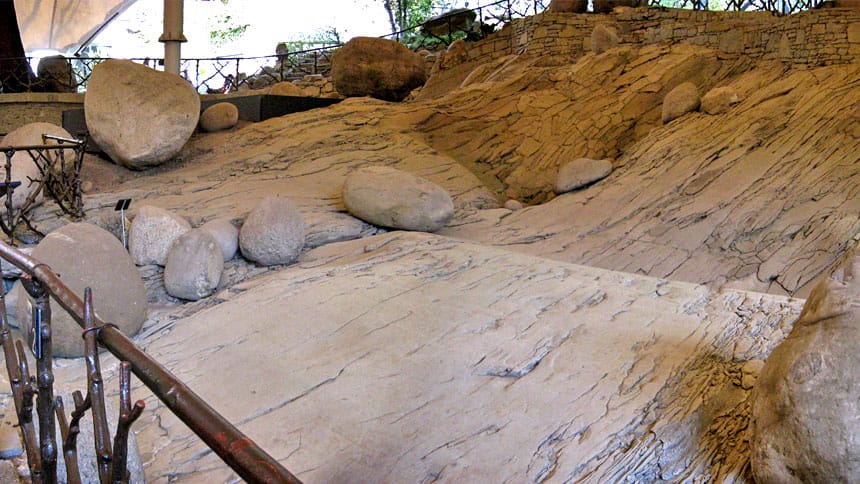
x=17, y=110
x=814, y=38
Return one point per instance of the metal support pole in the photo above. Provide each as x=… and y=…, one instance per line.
x=172, y=36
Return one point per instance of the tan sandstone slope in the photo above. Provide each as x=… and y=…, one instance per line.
x=485, y=353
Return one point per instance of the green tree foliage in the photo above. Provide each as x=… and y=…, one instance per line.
x=404, y=14
x=224, y=29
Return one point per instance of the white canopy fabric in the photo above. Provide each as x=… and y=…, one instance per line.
x=64, y=25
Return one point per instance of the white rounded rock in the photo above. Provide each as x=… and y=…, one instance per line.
x=193, y=266
x=273, y=233
x=152, y=233
x=392, y=198
x=24, y=168
x=225, y=233
x=719, y=99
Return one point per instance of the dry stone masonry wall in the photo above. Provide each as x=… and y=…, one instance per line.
x=815, y=37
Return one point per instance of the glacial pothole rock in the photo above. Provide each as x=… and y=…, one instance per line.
x=391, y=198
x=193, y=266
x=679, y=101
x=581, y=172
x=139, y=116
x=381, y=68
x=807, y=401
x=719, y=99
x=84, y=255
x=152, y=233
x=219, y=116
x=225, y=233
x=273, y=233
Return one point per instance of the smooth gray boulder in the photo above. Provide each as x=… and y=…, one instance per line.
x=273, y=233
x=806, y=405
x=681, y=100
x=392, y=198
x=219, y=116
x=719, y=99
x=23, y=167
x=152, y=233
x=193, y=266
x=139, y=116
x=381, y=68
x=225, y=233
x=84, y=255
x=581, y=172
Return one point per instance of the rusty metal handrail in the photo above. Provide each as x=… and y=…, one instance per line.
x=242, y=454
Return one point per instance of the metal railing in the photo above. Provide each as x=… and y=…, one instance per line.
x=244, y=456
x=225, y=74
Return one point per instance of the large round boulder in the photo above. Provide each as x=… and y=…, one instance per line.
x=273, y=233
x=152, y=233
x=381, y=68
x=806, y=405
x=55, y=74
x=681, y=100
x=23, y=167
x=194, y=265
x=392, y=198
x=219, y=116
x=139, y=116
x=84, y=255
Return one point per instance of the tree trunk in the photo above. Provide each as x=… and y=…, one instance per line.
x=15, y=73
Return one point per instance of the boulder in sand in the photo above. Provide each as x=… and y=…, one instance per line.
x=84, y=255
x=381, y=68
x=139, y=116
x=273, y=233
x=219, y=116
x=23, y=167
x=719, y=99
x=225, y=233
x=805, y=408
x=194, y=265
x=388, y=197
x=581, y=172
x=681, y=100
x=152, y=233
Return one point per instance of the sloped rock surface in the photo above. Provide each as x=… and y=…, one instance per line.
x=431, y=335
x=738, y=198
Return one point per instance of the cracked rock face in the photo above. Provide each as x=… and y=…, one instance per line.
x=807, y=402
